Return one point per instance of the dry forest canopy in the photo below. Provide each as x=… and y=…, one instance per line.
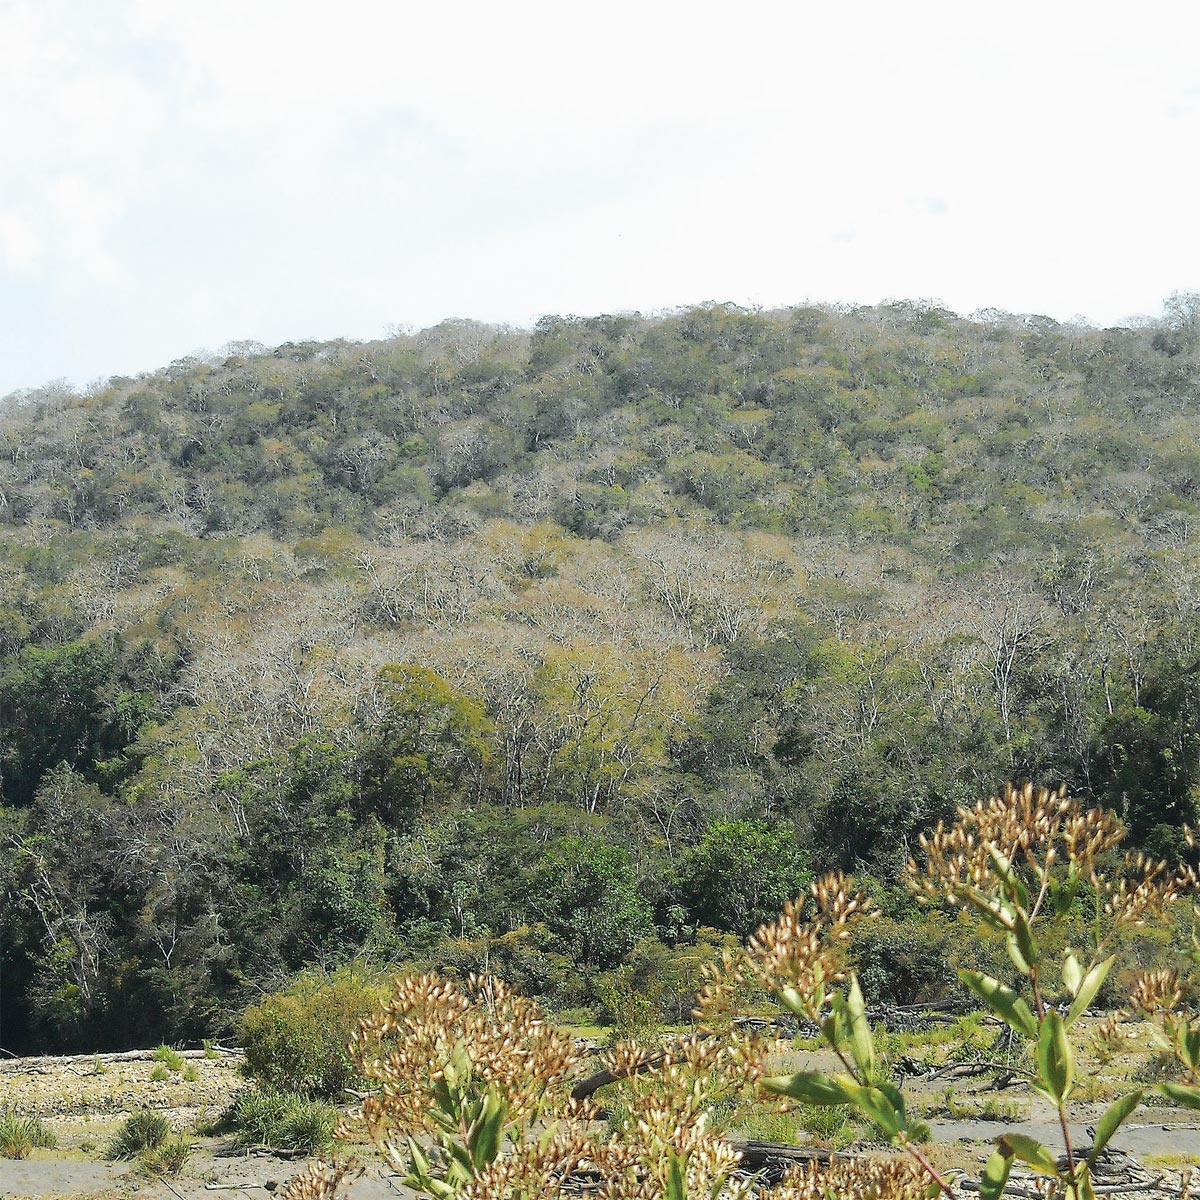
x=571, y=650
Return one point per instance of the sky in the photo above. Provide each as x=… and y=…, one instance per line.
x=179, y=174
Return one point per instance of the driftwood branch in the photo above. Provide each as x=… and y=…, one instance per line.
x=588, y=1087
x=45, y=1063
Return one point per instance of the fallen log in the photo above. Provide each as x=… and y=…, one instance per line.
x=772, y=1160
x=586, y=1088
x=44, y=1063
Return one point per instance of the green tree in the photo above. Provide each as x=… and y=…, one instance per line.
x=428, y=743
x=56, y=706
x=586, y=892
x=742, y=873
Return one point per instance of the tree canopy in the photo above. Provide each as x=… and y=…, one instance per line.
x=480, y=644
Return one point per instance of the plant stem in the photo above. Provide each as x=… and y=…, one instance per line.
x=928, y=1167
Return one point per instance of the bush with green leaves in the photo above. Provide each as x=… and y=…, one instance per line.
x=296, y=1039
x=742, y=873
x=1016, y=864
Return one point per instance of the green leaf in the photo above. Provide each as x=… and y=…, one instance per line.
x=1092, y=983
x=1030, y=1151
x=809, y=1087
x=1181, y=1093
x=880, y=1105
x=1003, y=1001
x=995, y=1173
x=1023, y=935
x=1115, y=1115
x=1056, y=1061
x=1189, y=1043
x=1072, y=973
x=676, y=1177
x=1012, y=881
x=992, y=913
x=1062, y=895
x=793, y=1002
x=487, y=1130
x=862, y=1045
x=420, y=1178
x=1018, y=959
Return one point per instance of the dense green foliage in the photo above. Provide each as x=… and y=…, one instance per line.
x=296, y=1039
x=478, y=646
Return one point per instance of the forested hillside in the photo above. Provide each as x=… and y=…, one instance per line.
x=558, y=650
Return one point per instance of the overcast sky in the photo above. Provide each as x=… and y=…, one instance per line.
x=175, y=174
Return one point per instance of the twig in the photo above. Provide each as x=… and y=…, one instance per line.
x=1100, y=1189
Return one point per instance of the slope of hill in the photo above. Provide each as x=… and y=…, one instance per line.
x=552, y=647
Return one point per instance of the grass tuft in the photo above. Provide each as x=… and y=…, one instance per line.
x=169, y=1057
x=280, y=1120
x=144, y=1131
x=169, y=1158
x=20, y=1136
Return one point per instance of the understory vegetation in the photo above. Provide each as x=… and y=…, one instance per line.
x=279, y=1120
x=570, y=655
x=20, y=1135
x=472, y=1093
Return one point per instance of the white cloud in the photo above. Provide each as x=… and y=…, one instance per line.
x=19, y=244
x=178, y=174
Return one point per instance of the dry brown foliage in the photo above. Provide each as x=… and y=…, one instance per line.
x=855, y=1179
x=511, y=1046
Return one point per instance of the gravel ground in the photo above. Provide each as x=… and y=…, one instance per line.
x=85, y=1099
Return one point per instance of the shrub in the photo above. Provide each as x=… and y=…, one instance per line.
x=166, y=1159
x=141, y=1132
x=295, y=1040
x=160, y=1074
x=280, y=1120
x=19, y=1136
x=170, y=1058
x=742, y=873
x=904, y=962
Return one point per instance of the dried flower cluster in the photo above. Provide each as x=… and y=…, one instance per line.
x=667, y=1109
x=1157, y=991
x=321, y=1181
x=1145, y=888
x=855, y=1179
x=1033, y=827
x=446, y=1058
x=570, y=1160
x=802, y=952
x=427, y=1023
x=1055, y=842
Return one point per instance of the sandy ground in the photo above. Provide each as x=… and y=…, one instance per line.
x=84, y=1100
